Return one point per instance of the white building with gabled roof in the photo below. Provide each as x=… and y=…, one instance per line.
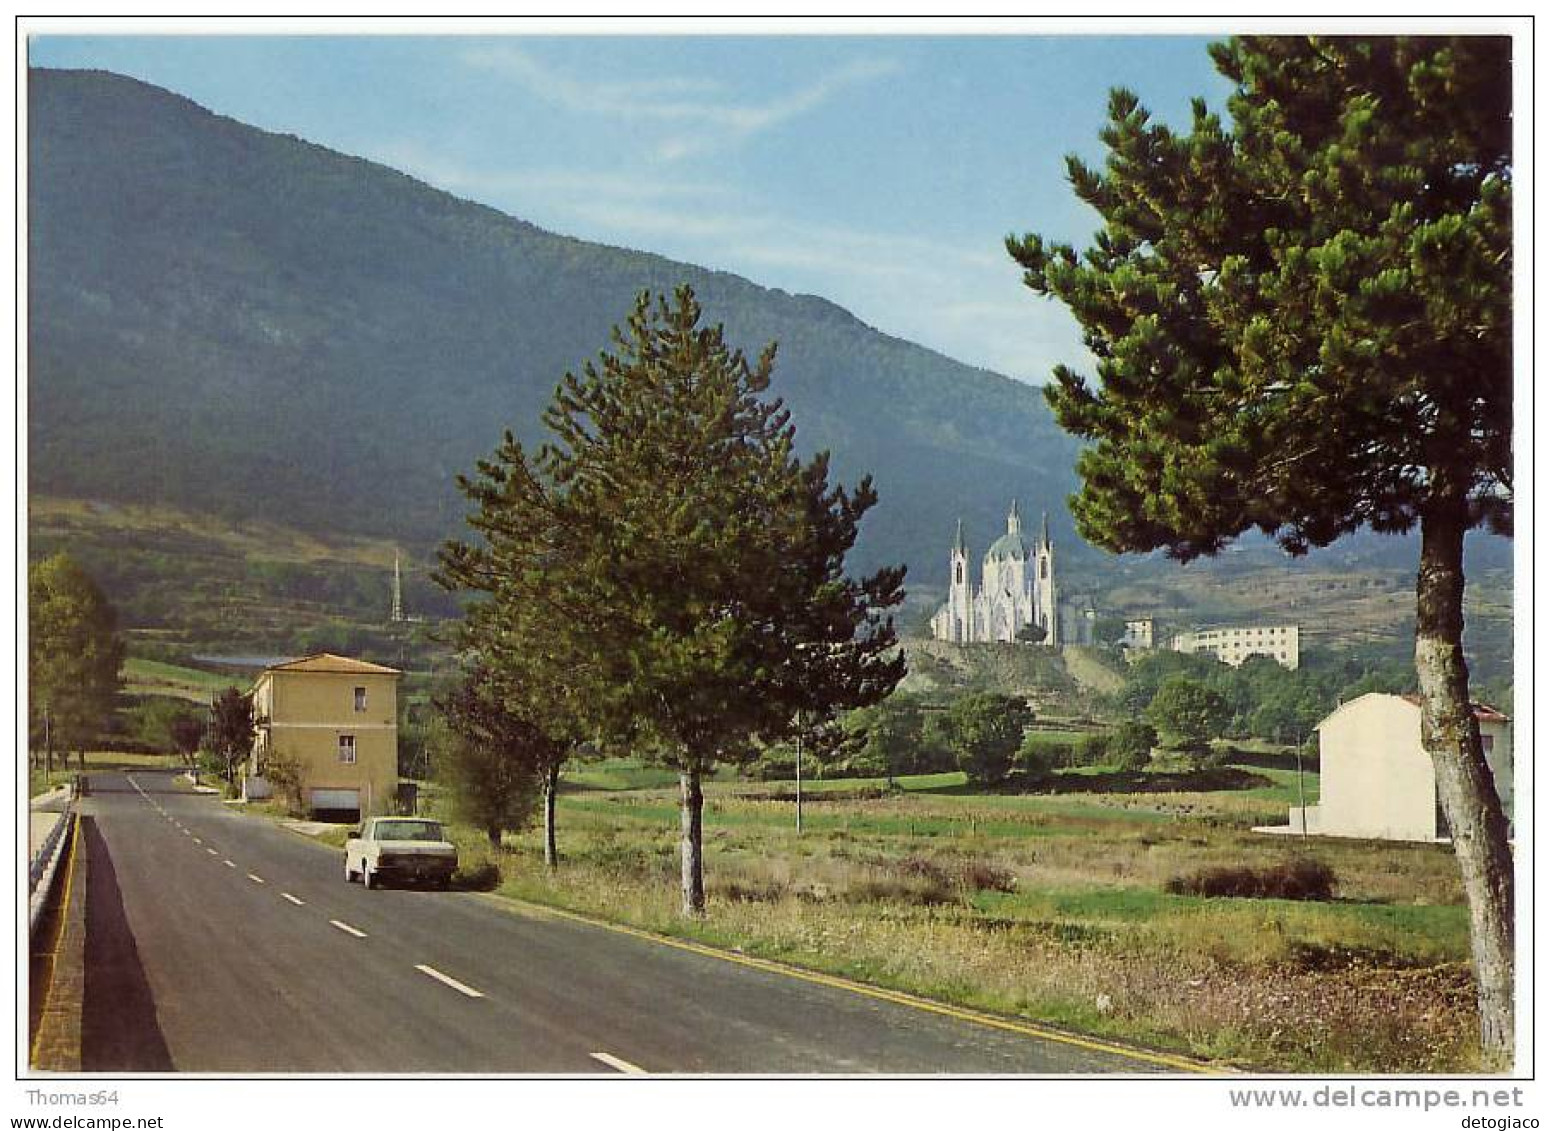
x=1375, y=779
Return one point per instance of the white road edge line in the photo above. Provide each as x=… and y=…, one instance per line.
x=292, y=898
x=622, y=1065
x=347, y=929
x=431, y=971
x=255, y=879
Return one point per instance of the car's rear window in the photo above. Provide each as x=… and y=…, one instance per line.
x=409, y=830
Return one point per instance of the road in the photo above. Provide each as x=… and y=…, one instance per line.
x=218, y=942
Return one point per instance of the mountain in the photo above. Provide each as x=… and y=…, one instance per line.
x=245, y=324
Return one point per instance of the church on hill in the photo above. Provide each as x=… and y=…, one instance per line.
x=1016, y=590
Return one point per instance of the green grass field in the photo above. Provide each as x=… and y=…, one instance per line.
x=38, y=781
x=1047, y=905
x=152, y=677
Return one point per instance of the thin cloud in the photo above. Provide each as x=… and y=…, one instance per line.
x=517, y=189
x=962, y=299
x=677, y=102
x=938, y=294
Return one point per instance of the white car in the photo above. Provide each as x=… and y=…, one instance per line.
x=411, y=849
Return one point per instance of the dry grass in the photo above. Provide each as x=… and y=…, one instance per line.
x=1053, y=908
x=1290, y=1004
x=1302, y=878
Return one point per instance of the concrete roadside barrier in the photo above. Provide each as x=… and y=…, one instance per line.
x=47, y=850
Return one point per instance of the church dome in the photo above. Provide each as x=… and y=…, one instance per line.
x=1009, y=545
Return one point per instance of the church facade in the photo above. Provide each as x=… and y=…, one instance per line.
x=1016, y=590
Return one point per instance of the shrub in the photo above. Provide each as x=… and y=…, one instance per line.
x=982, y=875
x=922, y=867
x=483, y=876
x=923, y=889
x=968, y=874
x=1040, y=755
x=750, y=891
x=1303, y=878
x=1092, y=749
x=210, y=764
x=283, y=773
x=1131, y=744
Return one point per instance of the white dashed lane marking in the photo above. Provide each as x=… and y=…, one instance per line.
x=347, y=929
x=293, y=899
x=212, y=852
x=228, y=863
x=432, y=972
x=255, y=879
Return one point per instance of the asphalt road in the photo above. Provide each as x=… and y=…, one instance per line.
x=220, y=943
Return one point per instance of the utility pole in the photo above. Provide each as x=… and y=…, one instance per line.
x=1302, y=800
x=799, y=771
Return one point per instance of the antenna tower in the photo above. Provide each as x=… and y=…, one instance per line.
x=397, y=614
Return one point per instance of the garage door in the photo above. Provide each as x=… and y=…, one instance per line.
x=336, y=799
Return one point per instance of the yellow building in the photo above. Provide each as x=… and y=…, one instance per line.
x=338, y=718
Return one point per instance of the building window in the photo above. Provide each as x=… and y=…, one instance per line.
x=347, y=748
x=360, y=698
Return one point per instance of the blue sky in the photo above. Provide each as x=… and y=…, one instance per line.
x=881, y=172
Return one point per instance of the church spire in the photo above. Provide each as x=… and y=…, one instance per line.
x=1046, y=528
x=1014, y=521
x=959, y=545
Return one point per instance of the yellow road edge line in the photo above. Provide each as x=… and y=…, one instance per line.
x=897, y=997
x=59, y=939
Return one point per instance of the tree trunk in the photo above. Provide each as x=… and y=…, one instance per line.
x=551, y=787
x=691, y=805
x=493, y=832
x=1465, y=787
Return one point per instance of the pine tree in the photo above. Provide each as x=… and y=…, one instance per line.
x=529, y=642
x=1302, y=325
x=677, y=561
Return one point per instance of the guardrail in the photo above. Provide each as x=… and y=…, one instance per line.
x=44, y=866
